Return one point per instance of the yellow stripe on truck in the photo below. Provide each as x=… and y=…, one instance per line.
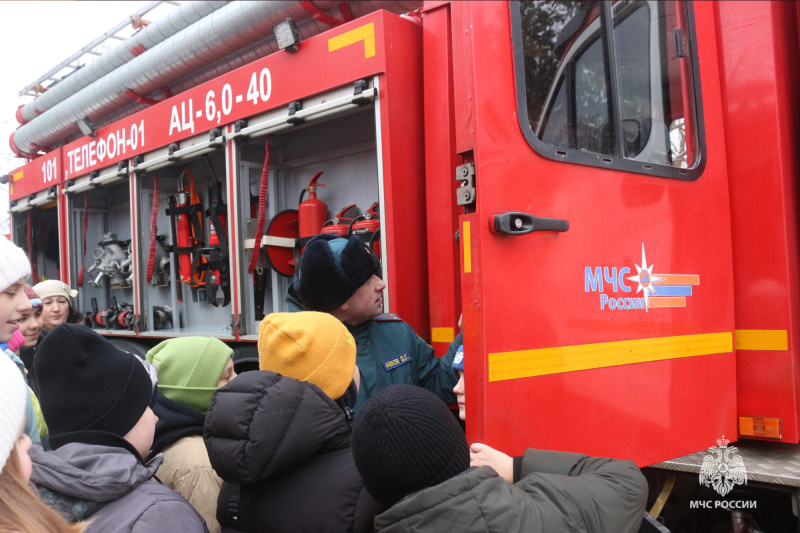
x=465, y=237
x=544, y=361
x=364, y=33
x=442, y=334
x=762, y=339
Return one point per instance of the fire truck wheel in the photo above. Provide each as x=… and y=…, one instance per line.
x=245, y=358
x=137, y=349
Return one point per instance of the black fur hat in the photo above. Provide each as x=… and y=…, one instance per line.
x=332, y=269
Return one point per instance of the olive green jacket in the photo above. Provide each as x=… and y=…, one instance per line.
x=557, y=492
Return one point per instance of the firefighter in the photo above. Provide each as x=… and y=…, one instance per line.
x=340, y=277
x=413, y=457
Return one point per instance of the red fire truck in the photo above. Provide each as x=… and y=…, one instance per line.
x=606, y=191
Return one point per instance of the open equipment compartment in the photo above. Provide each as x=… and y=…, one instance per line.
x=98, y=206
x=187, y=286
x=342, y=147
x=36, y=230
x=36, y=214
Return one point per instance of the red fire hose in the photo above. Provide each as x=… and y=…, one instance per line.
x=262, y=211
x=153, y=230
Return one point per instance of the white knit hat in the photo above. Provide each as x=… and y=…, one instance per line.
x=12, y=406
x=14, y=264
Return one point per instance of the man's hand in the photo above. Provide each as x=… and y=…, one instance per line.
x=483, y=455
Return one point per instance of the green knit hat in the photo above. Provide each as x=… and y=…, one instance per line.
x=189, y=369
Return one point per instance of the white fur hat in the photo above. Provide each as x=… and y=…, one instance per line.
x=12, y=406
x=54, y=287
x=14, y=264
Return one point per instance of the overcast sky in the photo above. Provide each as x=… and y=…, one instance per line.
x=37, y=36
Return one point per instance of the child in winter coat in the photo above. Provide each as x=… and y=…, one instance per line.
x=21, y=510
x=14, y=270
x=280, y=438
x=190, y=370
x=96, y=400
x=458, y=370
x=30, y=327
x=414, y=457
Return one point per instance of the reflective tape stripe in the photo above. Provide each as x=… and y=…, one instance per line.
x=465, y=238
x=543, y=361
x=364, y=33
x=442, y=334
x=762, y=339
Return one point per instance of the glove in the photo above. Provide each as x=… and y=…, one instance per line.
x=16, y=342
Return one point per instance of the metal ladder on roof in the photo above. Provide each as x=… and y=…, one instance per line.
x=94, y=49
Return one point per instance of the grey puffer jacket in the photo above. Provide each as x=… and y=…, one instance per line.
x=557, y=492
x=110, y=487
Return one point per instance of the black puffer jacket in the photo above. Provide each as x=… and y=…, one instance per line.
x=282, y=446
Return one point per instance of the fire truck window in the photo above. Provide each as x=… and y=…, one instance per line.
x=556, y=130
x=594, y=129
x=576, y=115
x=677, y=141
x=610, y=78
x=542, y=26
x=632, y=48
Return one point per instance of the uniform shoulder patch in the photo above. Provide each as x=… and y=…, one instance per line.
x=387, y=317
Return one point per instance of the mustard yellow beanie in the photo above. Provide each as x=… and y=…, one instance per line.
x=189, y=369
x=308, y=346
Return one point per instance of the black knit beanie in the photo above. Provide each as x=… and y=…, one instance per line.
x=332, y=269
x=87, y=383
x=404, y=440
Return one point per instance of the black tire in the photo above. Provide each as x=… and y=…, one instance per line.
x=136, y=348
x=245, y=358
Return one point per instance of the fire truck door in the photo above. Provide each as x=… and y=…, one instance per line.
x=596, y=257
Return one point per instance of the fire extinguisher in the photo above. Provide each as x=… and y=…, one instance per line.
x=183, y=228
x=217, y=251
x=368, y=228
x=340, y=223
x=216, y=208
x=312, y=212
x=185, y=212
